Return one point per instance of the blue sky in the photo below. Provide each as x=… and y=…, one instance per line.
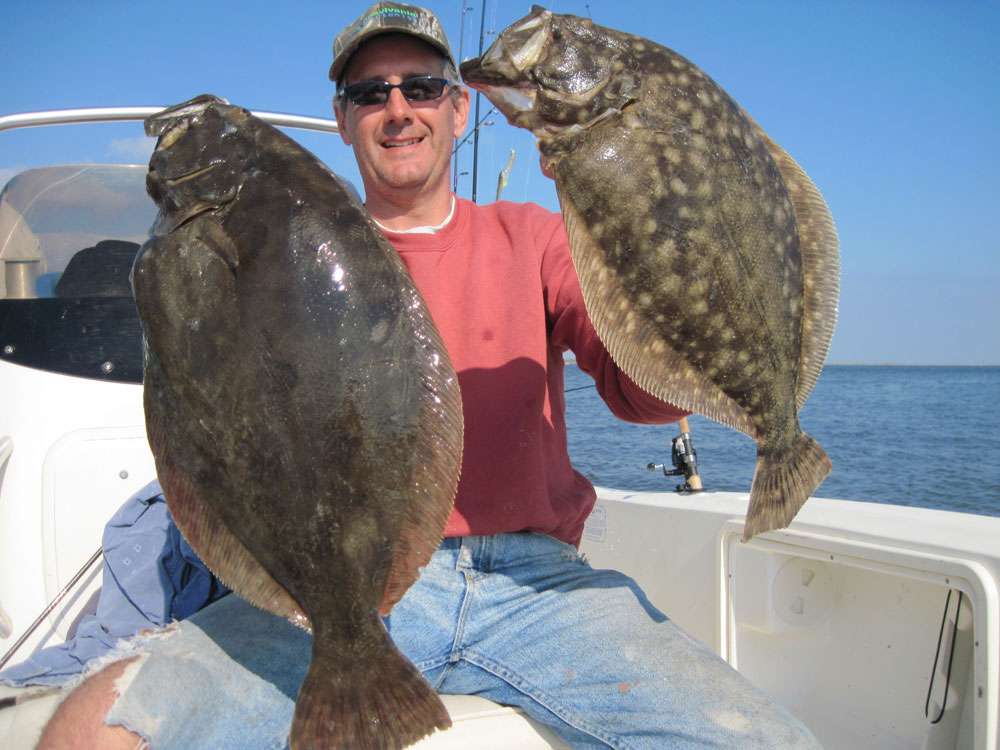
x=891, y=106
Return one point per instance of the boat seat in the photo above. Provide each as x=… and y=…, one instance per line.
x=485, y=725
x=99, y=271
x=476, y=722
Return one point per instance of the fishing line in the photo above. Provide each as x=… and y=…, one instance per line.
x=493, y=19
x=478, y=125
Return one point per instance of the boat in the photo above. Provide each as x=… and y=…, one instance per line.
x=877, y=625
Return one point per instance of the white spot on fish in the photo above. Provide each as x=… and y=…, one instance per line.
x=379, y=332
x=698, y=287
x=699, y=160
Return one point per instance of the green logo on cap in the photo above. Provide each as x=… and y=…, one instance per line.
x=384, y=12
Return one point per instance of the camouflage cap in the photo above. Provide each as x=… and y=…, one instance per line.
x=386, y=18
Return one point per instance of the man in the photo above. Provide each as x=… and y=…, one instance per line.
x=506, y=609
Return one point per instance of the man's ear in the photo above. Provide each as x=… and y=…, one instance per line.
x=462, y=106
x=338, y=112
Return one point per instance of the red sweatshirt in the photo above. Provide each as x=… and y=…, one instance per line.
x=501, y=287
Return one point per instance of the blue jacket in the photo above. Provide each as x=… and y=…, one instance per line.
x=151, y=577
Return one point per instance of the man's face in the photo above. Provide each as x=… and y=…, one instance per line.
x=401, y=145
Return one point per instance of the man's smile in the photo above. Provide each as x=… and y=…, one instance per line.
x=401, y=143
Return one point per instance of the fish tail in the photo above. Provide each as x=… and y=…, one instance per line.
x=782, y=482
x=384, y=703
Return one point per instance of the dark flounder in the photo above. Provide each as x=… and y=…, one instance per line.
x=304, y=415
x=708, y=259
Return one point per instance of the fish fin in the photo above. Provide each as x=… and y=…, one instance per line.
x=819, y=246
x=208, y=535
x=438, y=463
x=334, y=709
x=782, y=482
x=633, y=343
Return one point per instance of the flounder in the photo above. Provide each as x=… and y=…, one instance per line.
x=708, y=259
x=304, y=416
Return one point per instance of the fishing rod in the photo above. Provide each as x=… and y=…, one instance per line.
x=475, y=140
x=685, y=460
x=454, y=153
x=479, y=125
x=480, y=121
x=682, y=455
x=52, y=605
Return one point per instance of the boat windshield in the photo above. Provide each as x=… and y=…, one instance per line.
x=68, y=236
x=49, y=215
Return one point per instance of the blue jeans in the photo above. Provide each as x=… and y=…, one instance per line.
x=520, y=619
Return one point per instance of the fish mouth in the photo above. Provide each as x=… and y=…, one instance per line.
x=516, y=102
x=514, y=52
x=163, y=189
x=177, y=180
x=161, y=182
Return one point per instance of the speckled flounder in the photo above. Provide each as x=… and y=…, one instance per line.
x=304, y=416
x=707, y=258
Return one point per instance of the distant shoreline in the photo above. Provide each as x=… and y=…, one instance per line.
x=868, y=364
x=898, y=364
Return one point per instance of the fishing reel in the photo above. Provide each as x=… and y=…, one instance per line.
x=685, y=460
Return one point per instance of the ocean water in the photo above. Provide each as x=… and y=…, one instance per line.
x=917, y=436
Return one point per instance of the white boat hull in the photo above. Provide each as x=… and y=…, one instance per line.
x=839, y=617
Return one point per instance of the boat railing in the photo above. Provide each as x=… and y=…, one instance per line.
x=126, y=114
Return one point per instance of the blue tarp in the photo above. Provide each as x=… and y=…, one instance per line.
x=151, y=577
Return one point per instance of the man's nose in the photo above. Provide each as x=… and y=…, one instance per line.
x=398, y=107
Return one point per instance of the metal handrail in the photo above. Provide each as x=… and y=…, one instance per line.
x=126, y=114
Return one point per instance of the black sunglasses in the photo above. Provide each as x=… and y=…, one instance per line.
x=416, y=89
